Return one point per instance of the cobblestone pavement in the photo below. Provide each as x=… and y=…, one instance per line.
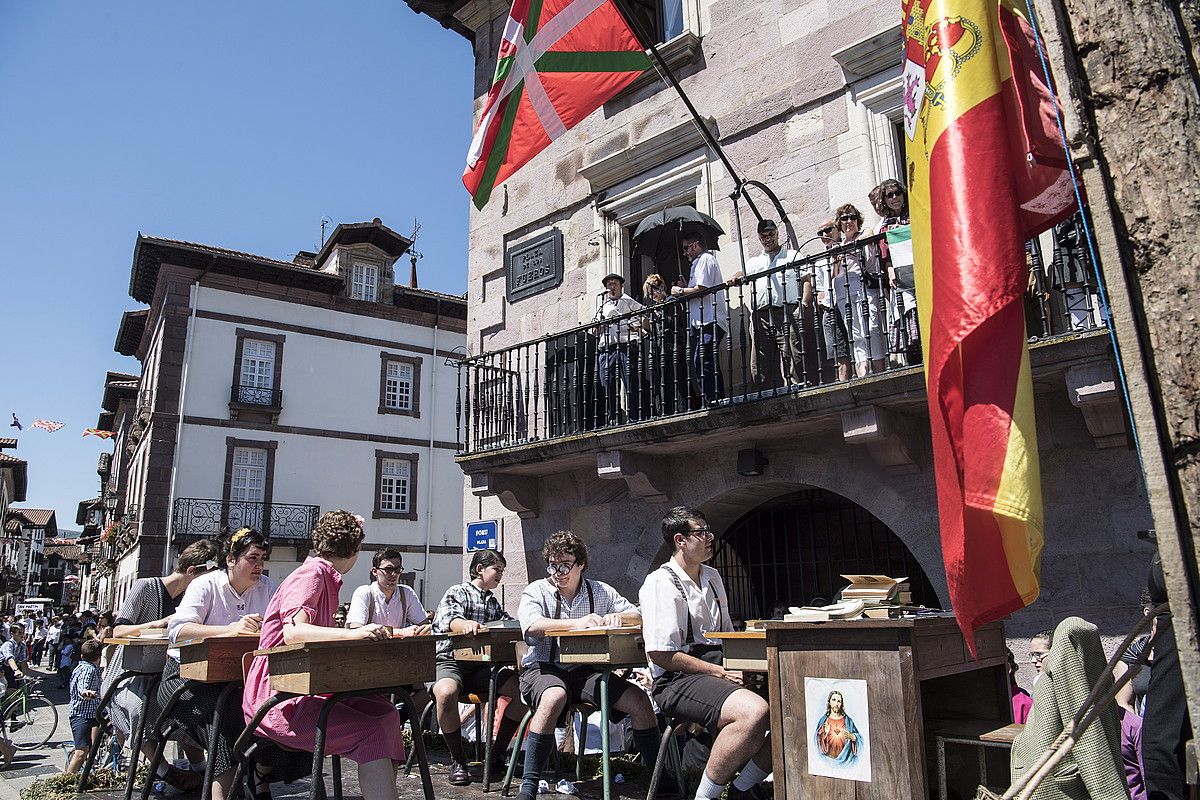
x=29, y=766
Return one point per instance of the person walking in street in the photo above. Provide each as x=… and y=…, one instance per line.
x=85, y=703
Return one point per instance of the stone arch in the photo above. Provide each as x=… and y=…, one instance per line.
x=910, y=514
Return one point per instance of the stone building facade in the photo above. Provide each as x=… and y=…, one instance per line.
x=804, y=97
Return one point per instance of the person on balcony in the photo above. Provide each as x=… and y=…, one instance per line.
x=777, y=300
x=667, y=362
x=467, y=608
x=835, y=344
x=708, y=316
x=148, y=607
x=856, y=290
x=619, y=355
x=890, y=201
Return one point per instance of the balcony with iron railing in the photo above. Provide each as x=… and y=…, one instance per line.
x=243, y=398
x=823, y=333
x=195, y=518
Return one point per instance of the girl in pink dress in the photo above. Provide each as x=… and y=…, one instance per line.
x=364, y=729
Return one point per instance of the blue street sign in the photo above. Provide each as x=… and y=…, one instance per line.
x=483, y=535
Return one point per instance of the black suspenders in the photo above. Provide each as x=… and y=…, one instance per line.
x=691, y=631
x=558, y=601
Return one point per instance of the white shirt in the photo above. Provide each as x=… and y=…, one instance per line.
x=711, y=308
x=619, y=332
x=368, y=605
x=211, y=600
x=540, y=600
x=778, y=287
x=665, y=614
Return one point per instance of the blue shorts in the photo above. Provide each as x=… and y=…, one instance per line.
x=81, y=730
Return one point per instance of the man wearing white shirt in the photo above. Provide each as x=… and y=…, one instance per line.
x=707, y=317
x=777, y=300
x=618, y=360
x=386, y=601
x=683, y=601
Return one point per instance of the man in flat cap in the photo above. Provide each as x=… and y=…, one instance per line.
x=618, y=361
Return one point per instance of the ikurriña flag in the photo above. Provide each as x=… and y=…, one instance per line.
x=984, y=175
x=559, y=61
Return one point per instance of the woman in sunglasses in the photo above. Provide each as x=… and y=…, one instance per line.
x=222, y=602
x=856, y=293
x=364, y=729
x=148, y=606
x=890, y=201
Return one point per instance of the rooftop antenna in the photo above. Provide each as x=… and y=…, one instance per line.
x=325, y=223
x=413, y=255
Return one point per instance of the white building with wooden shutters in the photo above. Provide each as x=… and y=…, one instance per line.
x=272, y=391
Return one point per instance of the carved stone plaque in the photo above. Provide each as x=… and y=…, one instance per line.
x=534, y=266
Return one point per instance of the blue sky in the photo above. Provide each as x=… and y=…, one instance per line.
x=233, y=124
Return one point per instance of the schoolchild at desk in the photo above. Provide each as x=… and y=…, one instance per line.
x=466, y=609
x=364, y=729
x=563, y=601
x=218, y=603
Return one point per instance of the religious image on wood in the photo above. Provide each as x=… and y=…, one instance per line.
x=837, y=718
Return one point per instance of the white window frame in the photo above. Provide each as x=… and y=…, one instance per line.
x=257, y=369
x=364, y=281
x=246, y=465
x=395, y=483
x=398, y=388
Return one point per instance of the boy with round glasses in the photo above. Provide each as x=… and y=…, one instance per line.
x=682, y=602
x=566, y=600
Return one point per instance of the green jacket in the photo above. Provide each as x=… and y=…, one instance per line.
x=1092, y=770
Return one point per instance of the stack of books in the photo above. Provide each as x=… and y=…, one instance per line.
x=881, y=595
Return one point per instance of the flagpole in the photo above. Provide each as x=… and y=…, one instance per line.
x=739, y=183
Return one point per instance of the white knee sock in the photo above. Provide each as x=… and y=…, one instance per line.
x=708, y=789
x=751, y=775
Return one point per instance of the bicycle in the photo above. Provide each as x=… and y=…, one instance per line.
x=28, y=718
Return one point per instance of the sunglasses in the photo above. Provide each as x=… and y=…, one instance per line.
x=561, y=568
x=847, y=218
x=826, y=230
x=388, y=570
x=894, y=193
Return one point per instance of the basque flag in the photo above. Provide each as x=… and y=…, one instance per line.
x=559, y=61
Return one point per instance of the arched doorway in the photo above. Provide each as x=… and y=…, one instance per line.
x=794, y=549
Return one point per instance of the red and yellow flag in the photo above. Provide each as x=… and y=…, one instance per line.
x=983, y=177
x=559, y=61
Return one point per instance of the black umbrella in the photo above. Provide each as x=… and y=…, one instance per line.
x=669, y=226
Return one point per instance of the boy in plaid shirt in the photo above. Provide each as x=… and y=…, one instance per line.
x=85, y=690
x=467, y=608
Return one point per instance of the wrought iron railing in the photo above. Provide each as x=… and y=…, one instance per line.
x=194, y=518
x=244, y=395
x=843, y=313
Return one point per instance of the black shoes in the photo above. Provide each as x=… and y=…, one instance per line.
x=459, y=775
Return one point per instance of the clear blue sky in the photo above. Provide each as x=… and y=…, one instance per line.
x=237, y=124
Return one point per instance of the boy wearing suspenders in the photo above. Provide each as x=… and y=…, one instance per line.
x=682, y=601
x=386, y=601
x=566, y=600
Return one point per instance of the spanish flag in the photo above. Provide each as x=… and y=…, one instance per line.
x=985, y=173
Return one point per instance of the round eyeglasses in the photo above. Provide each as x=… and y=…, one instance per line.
x=561, y=568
